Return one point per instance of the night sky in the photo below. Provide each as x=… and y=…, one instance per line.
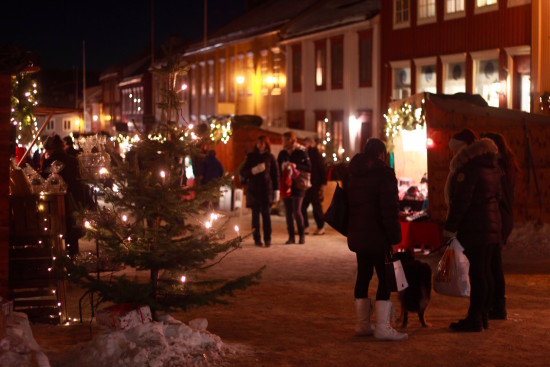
x=114, y=30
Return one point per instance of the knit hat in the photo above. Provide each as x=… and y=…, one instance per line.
x=461, y=138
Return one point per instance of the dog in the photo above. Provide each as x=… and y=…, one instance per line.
x=416, y=297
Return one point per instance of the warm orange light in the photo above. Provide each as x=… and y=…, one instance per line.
x=239, y=79
x=429, y=143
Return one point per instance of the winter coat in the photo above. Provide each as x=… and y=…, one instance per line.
x=259, y=189
x=473, y=193
x=210, y=168
x=506, y=204
x=318, y=175
x=300, y=158
x=373, y=199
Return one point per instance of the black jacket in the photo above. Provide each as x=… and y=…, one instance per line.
x=260, y=187
x=473, y=193
x=300, y=158
x=318, y=171
x=506, y=204
x=373, y=206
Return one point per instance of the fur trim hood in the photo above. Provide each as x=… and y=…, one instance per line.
x=466, y=154
x=469, y=152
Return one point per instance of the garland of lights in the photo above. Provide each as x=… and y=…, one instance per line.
x=24, y=99
x=408, y=117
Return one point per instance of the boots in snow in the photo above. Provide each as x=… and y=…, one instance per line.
x=383, y=329
x=363, y=308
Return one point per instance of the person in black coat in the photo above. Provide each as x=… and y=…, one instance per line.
x=372, y=230
x=509, y=168
x=293, y=158
x=473, y=192
x=261, y=175
x=314, y=195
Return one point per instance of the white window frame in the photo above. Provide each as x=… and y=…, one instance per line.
x=449, y=59
x=492, y=54
x=454, y=15
x=426, y=20
x=485, y=8
x=423, y=62
x=512, y=3
x=401, y=24
x=401, y=64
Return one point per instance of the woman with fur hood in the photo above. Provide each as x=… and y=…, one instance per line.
x=372, y=230
x=472, y=192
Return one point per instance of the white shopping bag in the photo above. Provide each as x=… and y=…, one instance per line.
x=451, y=278
x=395, y=276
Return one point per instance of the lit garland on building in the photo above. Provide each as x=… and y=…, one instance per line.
x=23, y=102
x=408, y=117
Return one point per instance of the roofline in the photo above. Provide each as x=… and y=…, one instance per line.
x=367, y=22
x=222, y=44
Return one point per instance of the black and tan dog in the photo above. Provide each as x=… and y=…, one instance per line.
x=416, y=297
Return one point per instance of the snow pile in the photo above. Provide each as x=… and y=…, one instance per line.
x=529, y=240
x=154, y=344
x=18, y=347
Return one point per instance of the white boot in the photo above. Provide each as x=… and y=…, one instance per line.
x=383, y=330
x=363, y=308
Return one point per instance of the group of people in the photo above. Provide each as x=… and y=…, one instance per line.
x=479, y=193
x=268, y=180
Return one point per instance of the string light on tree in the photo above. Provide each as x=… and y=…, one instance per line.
x=24, y=100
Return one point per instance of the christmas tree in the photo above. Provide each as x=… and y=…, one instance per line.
x=155, y=224
x=24, y=99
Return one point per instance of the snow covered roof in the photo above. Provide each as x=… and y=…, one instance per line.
x=265, y=18
x=330, y=14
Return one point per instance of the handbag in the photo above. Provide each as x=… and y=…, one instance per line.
x=395, y=275
x=337, y=214
x=451, y=278
x=303, y=180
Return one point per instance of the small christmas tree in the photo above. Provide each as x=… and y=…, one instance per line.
x=150, y=223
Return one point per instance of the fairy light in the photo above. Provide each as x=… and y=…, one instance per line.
x=87, y=224
x=183, y=278
x=124, y=217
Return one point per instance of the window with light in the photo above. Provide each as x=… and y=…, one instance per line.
x=454, y=6
x=320, y=65
x=487, y=83
x=455, y=78
x=401, y=82
x=426, y=79
x=426, y=9
x=481, y=3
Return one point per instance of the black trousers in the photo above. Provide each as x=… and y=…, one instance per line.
x=481, y=279
x=264, y=211
x=293, y=206
x=312, y=197
x=366, y=263
x=498, y=276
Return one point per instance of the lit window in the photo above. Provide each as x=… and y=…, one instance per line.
x=222, y=80
x=481, y=3
x=455, y=77
x=401, y=82
x=320, y=65
x=487, y=82
x=454, y=6
x=426, y=79
x=426, y=9
x=401, y=12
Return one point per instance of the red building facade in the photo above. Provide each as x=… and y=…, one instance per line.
x=472, y=46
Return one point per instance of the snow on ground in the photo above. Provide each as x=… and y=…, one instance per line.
x=528, y=240
x=155, y=344
x=18, y=347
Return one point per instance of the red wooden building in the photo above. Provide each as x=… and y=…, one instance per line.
x=474, y=46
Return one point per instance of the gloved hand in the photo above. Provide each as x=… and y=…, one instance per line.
x=258, y=168
x=276, y=196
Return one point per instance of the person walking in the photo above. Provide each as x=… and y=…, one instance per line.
x=372, y=230
x=508, y=165
x=261, y=175
x=315, y=194
x=293, y=159
x=210, y=168
x=472, y=193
